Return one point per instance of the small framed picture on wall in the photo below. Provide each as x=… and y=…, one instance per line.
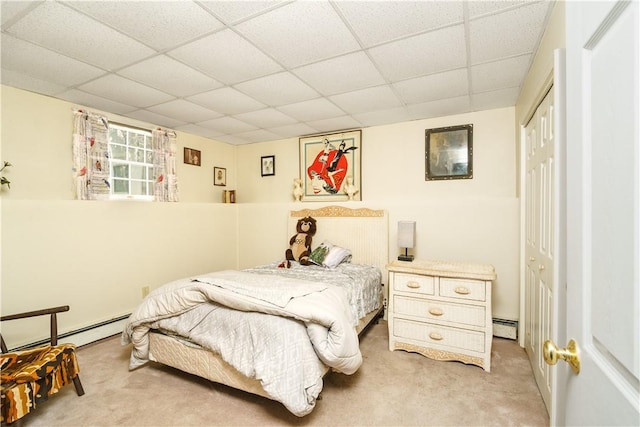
x=219, y=176
x=268, y=165
x=192, y=157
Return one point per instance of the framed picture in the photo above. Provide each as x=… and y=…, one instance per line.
x=268, y=165
x=191, y=156
x=449, y=153
x=330, y=166
x=219, y=176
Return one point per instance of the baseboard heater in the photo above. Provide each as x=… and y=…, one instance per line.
x=85, y=335
x=505, y=328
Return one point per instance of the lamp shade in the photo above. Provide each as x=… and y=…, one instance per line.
x=406, y=234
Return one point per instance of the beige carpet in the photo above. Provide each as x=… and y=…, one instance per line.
x=390, y=389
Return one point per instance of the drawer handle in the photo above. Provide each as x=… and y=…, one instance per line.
x=436, y=312
x=435, y=336
x=462, y=290
x=413, y=285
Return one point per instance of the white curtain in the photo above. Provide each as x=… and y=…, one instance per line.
x=91, y=156
x=164, y=166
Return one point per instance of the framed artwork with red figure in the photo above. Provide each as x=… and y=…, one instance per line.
x=330, y=166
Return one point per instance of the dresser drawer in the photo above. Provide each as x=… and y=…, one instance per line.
x=413, y=283
x=463, y=289
x=471, y=315
x=428, y=334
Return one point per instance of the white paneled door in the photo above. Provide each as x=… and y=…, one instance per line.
x=540, y=239
x=603, y=218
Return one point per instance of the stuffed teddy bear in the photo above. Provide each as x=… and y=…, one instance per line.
x=300, y=243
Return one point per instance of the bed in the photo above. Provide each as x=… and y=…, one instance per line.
x=327, y=308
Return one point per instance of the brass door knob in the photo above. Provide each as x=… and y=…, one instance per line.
x=569, y=354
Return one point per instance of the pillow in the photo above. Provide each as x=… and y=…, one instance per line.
x=336, y=256
x=320, y=253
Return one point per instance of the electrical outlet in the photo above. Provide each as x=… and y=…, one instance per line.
x=145, y=291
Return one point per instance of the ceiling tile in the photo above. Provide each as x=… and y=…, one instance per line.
x=315, y=109
x=184, y=110
x=520, y=30
x=266, y=118
x=294, y=130
x=92, y=101
x=343, y=74
x=278, y=89
x=227, y=100
x=227, y=57
x=334, y=123
x=199, y=130
x=499, y=74
x=443, y=107
x=23, y=81
x=227, y=125
x=166, y=23
x=126, y=91
x=257, y=135
x=484, y=7
x=375, y=22
x=495, y=99
x=169, y=75
x=383, y=117
x=156, y=119
x=39, y=63
x=232, y=139
x=300, y=33
x=234, y=11
x=370, y=99
x=428, y=53
x=90, y=41
x=450, y=84
x=10, y=10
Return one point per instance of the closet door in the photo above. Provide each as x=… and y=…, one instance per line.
x=540, y=188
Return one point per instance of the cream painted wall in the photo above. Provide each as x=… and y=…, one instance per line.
x=473, y=220
x=96, y=256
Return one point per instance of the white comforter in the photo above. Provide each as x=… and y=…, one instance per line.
x=317, y=312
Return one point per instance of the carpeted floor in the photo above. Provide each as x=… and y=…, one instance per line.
x=390, y=389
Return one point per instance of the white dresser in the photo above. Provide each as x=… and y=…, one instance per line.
x=441, y=310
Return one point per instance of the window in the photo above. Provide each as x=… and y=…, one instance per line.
x=131, y=162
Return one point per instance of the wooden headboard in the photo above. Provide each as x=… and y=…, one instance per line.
x=363, y=231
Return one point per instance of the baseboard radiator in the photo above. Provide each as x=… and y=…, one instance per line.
x=505, y=328
x=85, y=335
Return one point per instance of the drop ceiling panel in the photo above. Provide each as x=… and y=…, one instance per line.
x=267, y=118
x=30, y=83
x=169, y=75
x=227, y=57
x=227, y=125
x=335, y=123
x=294, y=130
x=198, y=130
x=231, y=12
x=227, y=100
x=495, y=99
x=300, y=33
x=184, y=110
x=370, y=99
x=315, y=109
x=428, y=53
x=126, y=91
x=156, y=119
x=519, y=33
x=39, y=63
x=376, y=22
x=434, y=87
x=278, y=89
x=443, y=107
x=500, y=74
x=383, y=117
x=83, y=98
x=338, y=75
x=71, y=33
x=166, y=23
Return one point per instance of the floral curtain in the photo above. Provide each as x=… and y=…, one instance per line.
x=91, y=166
x=164, y=165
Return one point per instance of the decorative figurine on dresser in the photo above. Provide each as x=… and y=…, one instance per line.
x=441, y=310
